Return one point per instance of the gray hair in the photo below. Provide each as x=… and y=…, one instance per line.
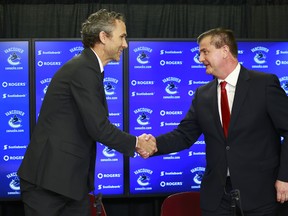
x=101, y=20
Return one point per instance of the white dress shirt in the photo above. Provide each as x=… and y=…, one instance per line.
x=231, y=80
x=100, y=63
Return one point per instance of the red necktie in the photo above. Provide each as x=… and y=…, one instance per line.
x=225, y=108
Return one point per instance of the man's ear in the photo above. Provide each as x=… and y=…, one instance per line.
x=226, y=50
x=103, y=37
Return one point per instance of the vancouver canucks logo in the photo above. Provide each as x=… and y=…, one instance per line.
x=171, y=85
x=142, y=58
x=108, y=152
x=198, y=174
x=15, y=122
x=143, y=116
x=196, y=58
x=45, y=89
x=76, y=50
x=284, y=83
x=171, y=88
x=110, y=85
x=109, y=89
x=45, y=82
x=143, y=176
x=143, y=180
x=260, y=58
x=78, y=53
x=198, y=177
x=197, y=54
x=142, y=54
x=15, y=183
x=285, y=86
x=14, y=59
x=143, y=119
x=14, y=55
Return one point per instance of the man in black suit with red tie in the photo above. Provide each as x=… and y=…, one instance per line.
x=247, y=159
x=57, y=171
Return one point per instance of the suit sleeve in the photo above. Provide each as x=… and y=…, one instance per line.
x=87, y=90
x=277, y=104
x=187, y=132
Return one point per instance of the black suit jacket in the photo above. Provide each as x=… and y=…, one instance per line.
x=73, y=116
x=252, y=150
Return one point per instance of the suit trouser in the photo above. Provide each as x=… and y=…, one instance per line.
x=225, y=208
x=40, y=202
x=283, y=209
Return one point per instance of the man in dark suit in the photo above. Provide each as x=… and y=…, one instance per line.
x=57, y=171
x=249, y=163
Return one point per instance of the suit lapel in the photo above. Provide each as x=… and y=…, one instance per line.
x=215, y=107
x=242, y=88
x=105, y=100
x=95, y=64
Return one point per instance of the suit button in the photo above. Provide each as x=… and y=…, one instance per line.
x=227, y=148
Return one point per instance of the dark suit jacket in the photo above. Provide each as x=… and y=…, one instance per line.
x=252, y=150
x=61, y=153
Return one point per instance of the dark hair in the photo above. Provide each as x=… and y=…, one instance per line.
x=221, y=37
x=101, y=20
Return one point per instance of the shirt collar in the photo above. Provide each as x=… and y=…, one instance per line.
x=232, y=78
x=100, y=63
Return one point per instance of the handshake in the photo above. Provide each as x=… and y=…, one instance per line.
x=146, y=145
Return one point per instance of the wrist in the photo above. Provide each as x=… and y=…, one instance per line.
x=137, y=140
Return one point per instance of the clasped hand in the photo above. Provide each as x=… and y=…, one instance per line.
x=146, y=145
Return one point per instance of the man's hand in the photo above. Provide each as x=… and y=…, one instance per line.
x=282, y=191
x=146, y=145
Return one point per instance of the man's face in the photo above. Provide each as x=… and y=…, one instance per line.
x=211, y=57
x=116, y=43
